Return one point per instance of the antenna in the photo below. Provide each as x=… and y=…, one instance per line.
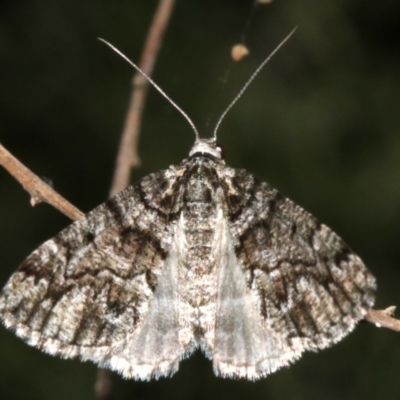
x=246, y=85
x=154, y=84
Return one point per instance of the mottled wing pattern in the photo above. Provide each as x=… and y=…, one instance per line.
x=307, y=286
x=86, y=291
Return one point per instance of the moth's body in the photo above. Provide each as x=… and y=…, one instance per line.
x=197, y=279
x=196, y=256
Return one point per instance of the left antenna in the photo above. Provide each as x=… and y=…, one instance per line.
x=154, y=85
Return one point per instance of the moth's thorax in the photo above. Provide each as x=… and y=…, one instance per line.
x=200, y=213
x=206, y=146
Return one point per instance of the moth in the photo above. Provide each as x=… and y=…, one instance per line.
x=197, y=256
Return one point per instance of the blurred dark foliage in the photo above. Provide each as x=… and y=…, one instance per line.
x=321, y=123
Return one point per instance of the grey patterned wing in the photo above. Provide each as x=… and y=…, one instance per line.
x=245, y=346
x=308, y=287
x=99, y=288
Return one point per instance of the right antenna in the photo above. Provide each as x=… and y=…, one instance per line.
x=246, y=85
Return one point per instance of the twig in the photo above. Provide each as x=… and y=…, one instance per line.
x=39, y=190
x=128, y=151
x=128, y=156
x=384, y=318
x=103, y=384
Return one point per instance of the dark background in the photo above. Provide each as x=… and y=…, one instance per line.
x=321, y=123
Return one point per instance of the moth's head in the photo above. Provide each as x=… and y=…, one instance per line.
x=207, y=146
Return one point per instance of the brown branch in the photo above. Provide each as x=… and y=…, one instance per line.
x=128, y=151
x=103, y=384
x=38, y=189
x=384, y=318
x=128, y=156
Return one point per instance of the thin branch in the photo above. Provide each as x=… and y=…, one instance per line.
x=128, y=151
x=384, y=318
x=103, y=384
x=38, y=189
x=128, y=156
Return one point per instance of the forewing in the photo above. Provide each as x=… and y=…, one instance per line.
x=308, y=287
x=244, y=345
x=91, y=290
